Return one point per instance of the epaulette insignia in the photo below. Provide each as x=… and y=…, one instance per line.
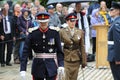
x=117, y=24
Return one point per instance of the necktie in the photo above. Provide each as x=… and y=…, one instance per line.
x=72, y=32
x=5, y=24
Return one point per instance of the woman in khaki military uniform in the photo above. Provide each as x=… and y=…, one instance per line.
x=74, y=50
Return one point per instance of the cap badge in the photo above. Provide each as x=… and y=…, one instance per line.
x=43, y=16
x=72, y=16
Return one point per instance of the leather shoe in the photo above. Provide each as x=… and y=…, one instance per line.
x=8, y=64
x=2, y=65
x=16, y=62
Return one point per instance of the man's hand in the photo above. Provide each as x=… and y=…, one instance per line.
x=117, y=62
x=2, y=37
x=23, y=75
x=83, y=65
x=14, y=38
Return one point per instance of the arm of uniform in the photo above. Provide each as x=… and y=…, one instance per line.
x=82, y=49
x=116, y=39
x=60, y=55
x=24, y=58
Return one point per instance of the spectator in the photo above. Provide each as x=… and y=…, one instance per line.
x=54, y=19
x=6, y=35
x=33, y=17
x=41, y=9
x=104, y=13
x=64, y=13
x=37, y=4
x=24, y=23
x=96, y=19
x=93, y=6
x=16, y=32
x=59, y=10
x=82, y=23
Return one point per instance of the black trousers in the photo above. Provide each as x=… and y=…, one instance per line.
x=47, y=78
x=115, y=70
x=9, y=46
x=16, y=50
x=1, y=54
x=94, y=45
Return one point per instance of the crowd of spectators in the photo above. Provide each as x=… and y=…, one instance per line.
x=21, y=18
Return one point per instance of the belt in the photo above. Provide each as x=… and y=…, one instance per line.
x=111, y=42
x=71, y=47
x=45, y=55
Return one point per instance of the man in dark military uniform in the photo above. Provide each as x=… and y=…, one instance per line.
x=114, y=41
x=47, y=48
x=74, y=49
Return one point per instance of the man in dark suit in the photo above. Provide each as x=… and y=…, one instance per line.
x=6, y=35
x=114, y=41
x=46, y=45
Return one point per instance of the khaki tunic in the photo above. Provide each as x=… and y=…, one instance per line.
x=74, y=52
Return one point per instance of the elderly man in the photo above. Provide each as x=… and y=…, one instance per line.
x=59, y=11
x=6, y=34
x=47, y=48
x=54, y=19
x=114, y=41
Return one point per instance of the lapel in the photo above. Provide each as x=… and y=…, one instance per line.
x=75, y=31
x=68, y=32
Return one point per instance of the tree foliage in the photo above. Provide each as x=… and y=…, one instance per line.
x=44, y=2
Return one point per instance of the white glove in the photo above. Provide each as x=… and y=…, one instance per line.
x=52, y=27
x=61, y=73
x=62, y=44
x=61, y=70
x=57, y=28
x=23, y=75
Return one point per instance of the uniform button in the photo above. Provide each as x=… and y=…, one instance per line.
x=43, y=46
x=71, y=42
x=43, y=59
x=43, y=40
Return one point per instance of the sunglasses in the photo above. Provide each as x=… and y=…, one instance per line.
x=72, y=20
x=111, y=9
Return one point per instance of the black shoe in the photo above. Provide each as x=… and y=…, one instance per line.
x=8, y=64
x=2, y=65
x=16, y=62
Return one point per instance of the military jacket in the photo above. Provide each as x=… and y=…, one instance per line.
x=114, y=36
x=43, y=42
x=74, y=48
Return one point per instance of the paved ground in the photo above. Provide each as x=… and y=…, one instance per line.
x=89, y=73
x=12, y=72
